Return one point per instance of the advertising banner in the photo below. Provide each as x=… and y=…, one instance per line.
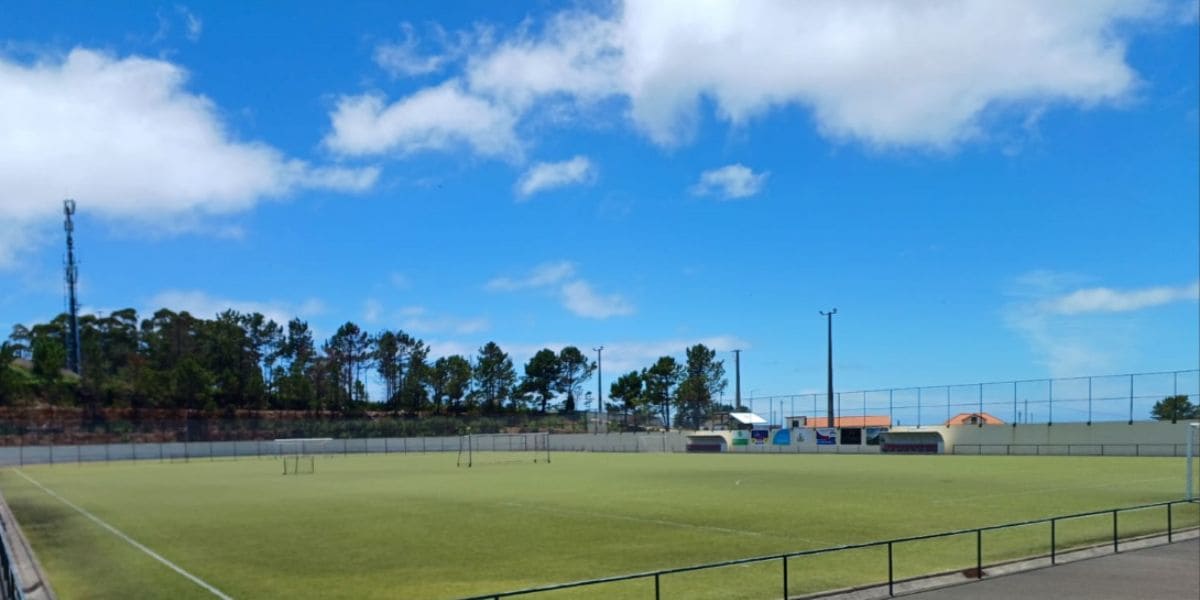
x=741, y=438
x=783, y=437
x=873, y=435
x=759, y=436
x=826, y=436
x=801, y=435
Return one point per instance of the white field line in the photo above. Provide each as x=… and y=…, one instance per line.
x=601, y=515
x=1065, y=488
x=131, y=541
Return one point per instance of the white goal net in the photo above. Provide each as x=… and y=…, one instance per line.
x=299, y=455
x=501, y=448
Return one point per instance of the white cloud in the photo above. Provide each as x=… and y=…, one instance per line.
x=201, y=304
x=581, y=299
x=883, y=73
x=444, y=117
x=577, y=54
x=372, y=311
x=126, y=139
x=1101, y=299
x=546, y=176
x=403, y=58
x=577, y=295
x=442, y=324
x=1082, y=331
x=543, y=275
x=730, y=182
x=193, y=24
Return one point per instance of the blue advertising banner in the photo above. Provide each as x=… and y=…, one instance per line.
x=759, y=436
x=783, y=437
x=826, y=436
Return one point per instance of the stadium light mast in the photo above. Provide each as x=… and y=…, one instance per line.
x=829, y=370
x=74, y=358
x=599, y=384
x=737, y=378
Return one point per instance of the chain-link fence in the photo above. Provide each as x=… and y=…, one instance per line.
x=1104, y=398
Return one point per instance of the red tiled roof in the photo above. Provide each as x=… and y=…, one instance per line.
x=965, y=419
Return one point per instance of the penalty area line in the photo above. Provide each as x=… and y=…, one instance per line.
x=131, y=541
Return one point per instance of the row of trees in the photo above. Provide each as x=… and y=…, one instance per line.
x=174, y=360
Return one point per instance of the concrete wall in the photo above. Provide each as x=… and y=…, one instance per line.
x=1141, y=438
x=179, y=451
x=1151, y=438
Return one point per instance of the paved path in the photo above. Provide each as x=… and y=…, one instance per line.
x=1167, y=572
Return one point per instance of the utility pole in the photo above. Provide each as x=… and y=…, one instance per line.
x=737, y=370
x=599, y=385
x=74, y=358
x=829, y=321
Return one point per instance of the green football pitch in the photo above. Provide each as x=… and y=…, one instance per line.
x=415, y=526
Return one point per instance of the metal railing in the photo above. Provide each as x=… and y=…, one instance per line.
x=10, y=582
x=1073, y=449
x=891, y=581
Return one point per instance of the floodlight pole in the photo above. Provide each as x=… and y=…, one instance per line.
x=737, y=370
x=829, y=370
x=599, y=385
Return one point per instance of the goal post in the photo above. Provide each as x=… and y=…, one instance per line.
x=299, y=455
x=498, y=448
x=1193, y=446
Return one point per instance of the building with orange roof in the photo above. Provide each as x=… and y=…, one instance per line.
x=975, y=418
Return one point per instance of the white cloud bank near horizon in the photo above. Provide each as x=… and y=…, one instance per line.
x=881, y=73
x=574, y=293
x=1085, y=330
x=126, y=139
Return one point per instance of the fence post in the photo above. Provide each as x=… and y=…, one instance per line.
x=1131, y=399
x=656, y=588
x=785, y=578
x=1169, y=505
x=1050, y=398
x=978, y=554
x=1115, y=549
x=1089, y=421
x=891, y=591
x=1053, y=558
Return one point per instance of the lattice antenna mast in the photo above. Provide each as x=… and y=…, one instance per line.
x=74, y=360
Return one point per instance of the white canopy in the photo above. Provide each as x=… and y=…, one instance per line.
x=748, y=418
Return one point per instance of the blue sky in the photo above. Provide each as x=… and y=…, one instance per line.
x=985, y=191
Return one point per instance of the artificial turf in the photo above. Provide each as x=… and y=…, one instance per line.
x=415, y=526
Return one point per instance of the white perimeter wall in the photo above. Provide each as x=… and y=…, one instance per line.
x=1153, y=438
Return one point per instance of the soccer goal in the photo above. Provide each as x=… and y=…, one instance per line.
x=299, y=455
x=503, y=448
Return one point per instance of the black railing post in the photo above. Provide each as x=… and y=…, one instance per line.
x=1115, y=549
x=656, y=588
x=1053, y=558
x=1169, y=505
x=978, y=554
x=785, y=578
x=891, y=591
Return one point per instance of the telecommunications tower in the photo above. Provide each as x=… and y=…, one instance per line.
x=74, y=362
